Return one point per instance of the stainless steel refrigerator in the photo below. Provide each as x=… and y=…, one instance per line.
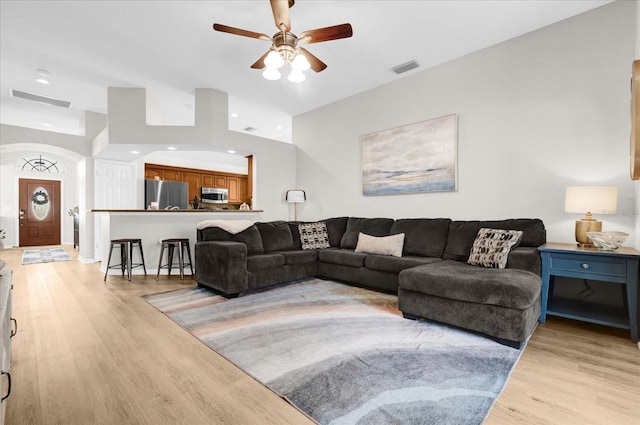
x=168, y=195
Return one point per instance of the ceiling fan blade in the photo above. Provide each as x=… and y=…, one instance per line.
x=259, y=64
x=280, y=10
x=328, y=33
x=238, y=31
x=316, y=64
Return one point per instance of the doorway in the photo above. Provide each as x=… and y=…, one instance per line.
x=39, y=212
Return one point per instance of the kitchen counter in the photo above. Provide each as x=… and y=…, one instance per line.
x=153, y=225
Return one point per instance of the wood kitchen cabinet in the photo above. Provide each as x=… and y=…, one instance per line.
x=243, y=190
x=152, y=173
x=194, y=180
x=173, y=175
x=232, y=185
x=237, y=184
x=208, y=180
x=214, y=180
x=221, y=181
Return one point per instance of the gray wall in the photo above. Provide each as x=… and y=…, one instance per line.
x=536, y=114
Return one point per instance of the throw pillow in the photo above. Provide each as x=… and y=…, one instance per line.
x=492, y=246
x=381, y=245
x=313, y=235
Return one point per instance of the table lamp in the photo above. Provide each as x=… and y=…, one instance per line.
x=295, y=196
x=590, y=200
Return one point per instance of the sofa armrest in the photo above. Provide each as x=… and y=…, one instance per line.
x=222, y=265
x=525, y=258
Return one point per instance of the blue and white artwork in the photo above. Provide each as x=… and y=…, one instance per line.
x=418, y=157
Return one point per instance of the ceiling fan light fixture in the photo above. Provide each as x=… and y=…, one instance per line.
x=284, y=50
x=271, y=73
x=274, y=60
x=300, y=63
x=296, y=76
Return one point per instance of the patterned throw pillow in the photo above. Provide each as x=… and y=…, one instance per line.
x=313, y=235
x=491, y=247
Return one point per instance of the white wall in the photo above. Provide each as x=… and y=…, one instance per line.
x=9, y=176
x=538, y=113
x=274, y=162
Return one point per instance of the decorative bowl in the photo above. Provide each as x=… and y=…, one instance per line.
x=608, y=241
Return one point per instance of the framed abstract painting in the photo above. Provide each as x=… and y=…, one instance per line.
x=419, y=157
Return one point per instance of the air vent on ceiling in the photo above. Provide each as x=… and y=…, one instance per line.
x=249, y=128
x=41, y=99
x=405, y=67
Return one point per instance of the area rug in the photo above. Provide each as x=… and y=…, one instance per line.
x=344, y=355
x=35, y=256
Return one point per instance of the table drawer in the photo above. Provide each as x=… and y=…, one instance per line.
x=589, y=265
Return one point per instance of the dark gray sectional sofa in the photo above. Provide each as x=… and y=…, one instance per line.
x=432, y=277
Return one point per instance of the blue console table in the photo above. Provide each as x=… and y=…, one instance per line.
x=619, y=266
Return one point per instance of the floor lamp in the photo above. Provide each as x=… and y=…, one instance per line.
x=295, y=196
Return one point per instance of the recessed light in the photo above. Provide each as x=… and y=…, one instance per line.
x=278, y=127
x=134, y=152
x=42, y=81
x=231, y=151
x=42, y=72
x=234, y=115
x=46, y=124
x=172, y=148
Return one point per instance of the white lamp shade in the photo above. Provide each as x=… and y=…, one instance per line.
x=296, y=76
x=296, y=195
x=271, y=74
x=593, y=199
x=273, y=60
x=300, y=62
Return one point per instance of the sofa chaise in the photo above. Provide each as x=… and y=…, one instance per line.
x=426, y=261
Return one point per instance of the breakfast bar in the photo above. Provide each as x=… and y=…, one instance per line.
x=154, y=225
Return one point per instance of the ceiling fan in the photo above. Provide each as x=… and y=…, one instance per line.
x=284, y=44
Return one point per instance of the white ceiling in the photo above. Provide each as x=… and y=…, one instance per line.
x=170, y=48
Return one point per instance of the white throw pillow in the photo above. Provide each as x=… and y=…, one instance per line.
x=381, y=245
x=492, y=246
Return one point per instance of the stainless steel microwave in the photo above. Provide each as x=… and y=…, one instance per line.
x=214, y=195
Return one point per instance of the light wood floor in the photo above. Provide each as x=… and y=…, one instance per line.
x=89, y=352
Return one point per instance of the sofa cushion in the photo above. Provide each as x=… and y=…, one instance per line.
x=256, y=263
x=492, y=246
x=250, y=237
x=344, y=257
x=313, y=235
x=512, y=288
x=463, y=233
x=380, y=245
x=370, y=226
x=424, y=237
x=336, y=227
x=299, y=257
x=389, y=264
x=525, y=258
x=295, y=233
x=276, y=236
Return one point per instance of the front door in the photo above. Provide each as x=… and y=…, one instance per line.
x=39, y=213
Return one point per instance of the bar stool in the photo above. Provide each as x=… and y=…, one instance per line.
x=171, y=244
x=126, y=256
